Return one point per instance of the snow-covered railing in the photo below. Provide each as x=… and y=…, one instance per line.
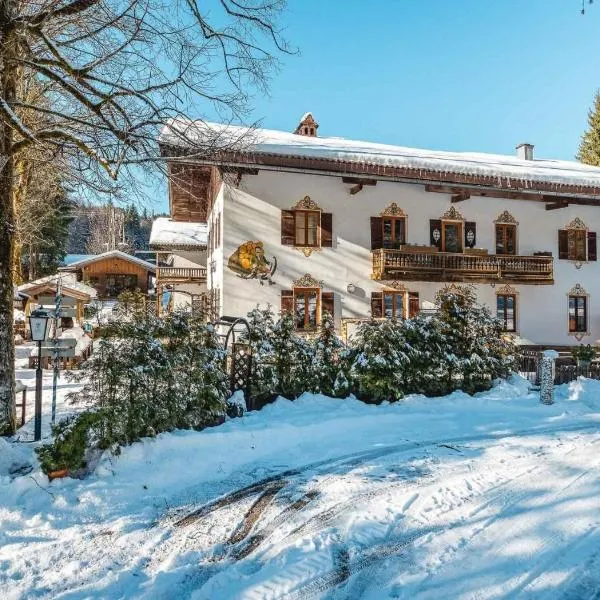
x=442, y=266
x=181, y=273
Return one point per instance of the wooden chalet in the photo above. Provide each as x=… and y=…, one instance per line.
x=75, y=295
x=113, y=272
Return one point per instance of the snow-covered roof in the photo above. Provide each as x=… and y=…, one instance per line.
x=67, y=284
x=18, y=294
x=111, y=254
x=500, y=170
x=167, y=233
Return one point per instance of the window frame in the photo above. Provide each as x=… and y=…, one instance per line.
x=460, y=237
x=395, y=294
x=576, y=298
x=505, y=227
x=572, y=244
x=394, y=244
x=504, y=317
x=304, y=213
x=305, y=291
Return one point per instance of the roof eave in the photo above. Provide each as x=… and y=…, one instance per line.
x=339, y=167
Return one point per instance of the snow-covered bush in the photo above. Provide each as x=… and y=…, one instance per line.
x=462, y=346
x=477, y=349
x=263, y=379
x=147, y=375
x=328, y=376
x=376, y=360
x=293, y=359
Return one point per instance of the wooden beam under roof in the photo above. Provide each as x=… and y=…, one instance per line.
x=556, y=205
x=516, y=195
x=358, y=183
x=464, y=195
x=359, y=180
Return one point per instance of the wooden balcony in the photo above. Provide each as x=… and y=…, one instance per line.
x=419, y=265
x=181, y=274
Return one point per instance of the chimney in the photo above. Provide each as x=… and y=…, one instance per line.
x=307, y=126
x=525, y=151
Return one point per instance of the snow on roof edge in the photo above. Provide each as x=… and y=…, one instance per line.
x=113, y=253
x=178, y=234
x=280, y=143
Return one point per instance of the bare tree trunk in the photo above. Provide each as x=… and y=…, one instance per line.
x=7, y=225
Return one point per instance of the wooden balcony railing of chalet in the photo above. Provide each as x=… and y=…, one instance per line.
x=423, y=265
x=181, y=274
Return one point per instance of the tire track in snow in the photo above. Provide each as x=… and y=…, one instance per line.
x=254, y=513
x=509, y=502
x=258, y=538
x=372, y=558
x=356, y=458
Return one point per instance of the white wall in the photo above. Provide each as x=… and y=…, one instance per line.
x=252, y=212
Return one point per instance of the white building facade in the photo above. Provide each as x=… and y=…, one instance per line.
x=308, y=225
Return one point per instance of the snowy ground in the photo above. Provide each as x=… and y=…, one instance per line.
x=489, y=497
x=27, y=377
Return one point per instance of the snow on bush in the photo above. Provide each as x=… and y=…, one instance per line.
x=146, y=375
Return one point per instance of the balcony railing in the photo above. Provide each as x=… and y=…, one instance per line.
x=181, y=274
x=479, y=268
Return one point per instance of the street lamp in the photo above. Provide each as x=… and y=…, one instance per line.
x=39, y=321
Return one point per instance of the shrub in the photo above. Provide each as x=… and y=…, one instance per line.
x=293, y=359
x=72, y=437
x=376, y=360
x=328, y=376
x=146, y=376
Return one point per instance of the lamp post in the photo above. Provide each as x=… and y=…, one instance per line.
x=38, y=325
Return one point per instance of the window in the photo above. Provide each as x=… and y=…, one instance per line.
x=577, y=314
x=449, y=234
x=393, y=231
x=506, y=239
x=506, y=311
x=306, y=228
x=308, y=303
x=576, y=243
x=306, y=307
x=394, y=304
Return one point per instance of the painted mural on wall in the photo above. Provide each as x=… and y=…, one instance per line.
x=249, y=262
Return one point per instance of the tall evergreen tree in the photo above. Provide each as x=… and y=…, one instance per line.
x=589, y=147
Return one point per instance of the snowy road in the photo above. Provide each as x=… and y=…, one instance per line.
x=459, y=497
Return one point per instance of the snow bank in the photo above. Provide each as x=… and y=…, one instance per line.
x=15, y=459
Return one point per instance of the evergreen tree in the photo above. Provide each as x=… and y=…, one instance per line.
x=326, y=377
x=589, y=147
x=293, y=358
x=263, y=378
x=44, y=249
x=377, y=360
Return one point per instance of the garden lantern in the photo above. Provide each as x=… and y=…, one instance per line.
x=39, y=324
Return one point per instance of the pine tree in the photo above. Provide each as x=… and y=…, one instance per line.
x=293, y=358
x=326, y=360
x=377, y=360
x=589, y=147
x=263, y=378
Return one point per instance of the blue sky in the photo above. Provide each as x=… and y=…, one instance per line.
x=480, y=75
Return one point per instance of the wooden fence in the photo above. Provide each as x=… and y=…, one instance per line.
x=528, y=366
